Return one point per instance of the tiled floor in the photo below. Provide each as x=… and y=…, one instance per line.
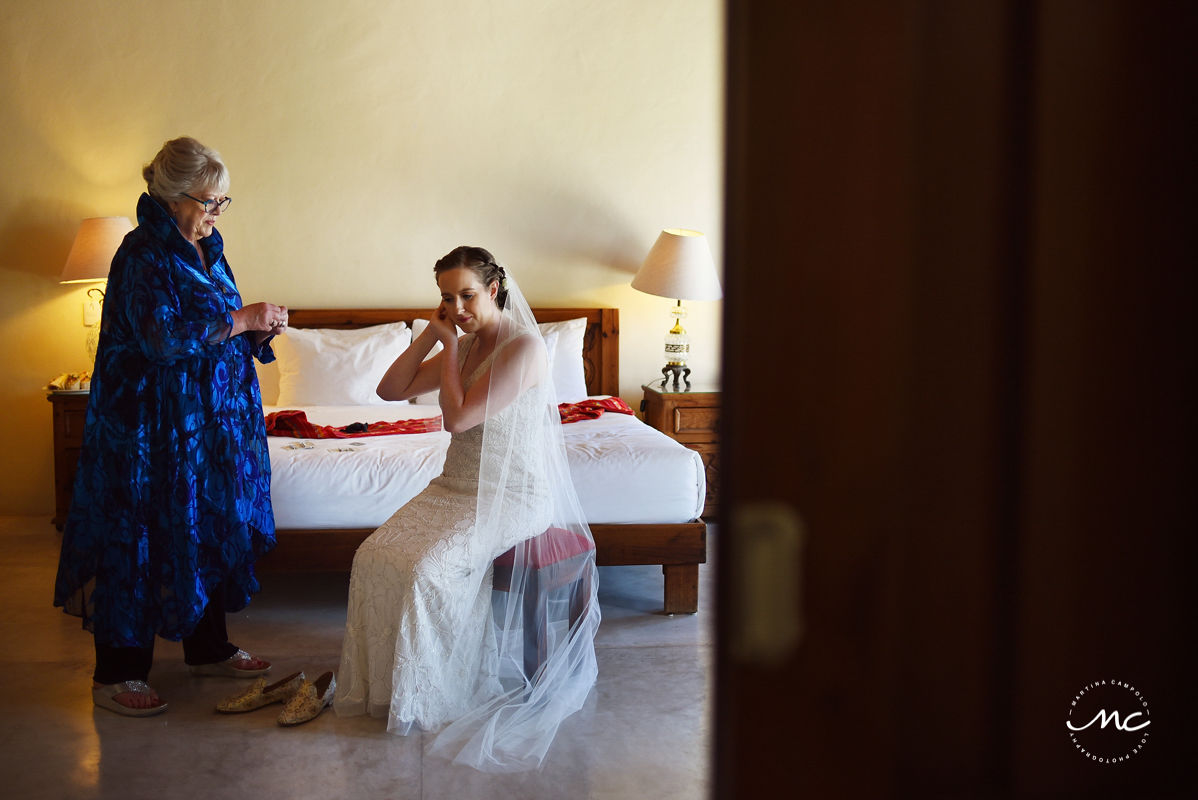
x=644, y=732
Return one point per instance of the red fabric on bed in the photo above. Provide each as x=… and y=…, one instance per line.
x=591, y=409
x=293, y=422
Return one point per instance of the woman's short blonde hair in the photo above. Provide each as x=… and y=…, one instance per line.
x=184, y=166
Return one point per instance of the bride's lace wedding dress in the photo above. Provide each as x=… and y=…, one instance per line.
x=419, y=645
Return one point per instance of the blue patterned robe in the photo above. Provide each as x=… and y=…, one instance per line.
x=171, y=503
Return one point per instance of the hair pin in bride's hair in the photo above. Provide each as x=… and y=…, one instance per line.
x=502, y=274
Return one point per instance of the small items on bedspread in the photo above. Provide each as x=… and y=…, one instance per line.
x=292, y=422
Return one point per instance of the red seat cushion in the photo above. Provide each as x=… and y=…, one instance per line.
x=550, y=547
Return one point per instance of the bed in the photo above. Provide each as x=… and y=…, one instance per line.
x=641, y=491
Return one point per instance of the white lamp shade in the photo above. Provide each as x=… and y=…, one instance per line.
x=95, y=245
x=679, y=266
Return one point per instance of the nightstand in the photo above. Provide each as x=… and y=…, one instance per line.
x=690, y=417
x=70, y=412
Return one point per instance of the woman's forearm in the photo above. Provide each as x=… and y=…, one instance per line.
x=451, y=380
x=398, y=378
x=240, y=325
x=452, y=396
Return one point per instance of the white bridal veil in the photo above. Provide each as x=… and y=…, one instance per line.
x=544, y=596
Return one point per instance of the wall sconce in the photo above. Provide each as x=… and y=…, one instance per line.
x=678, y=266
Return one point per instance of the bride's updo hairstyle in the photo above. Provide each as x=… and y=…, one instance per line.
x=480, y=262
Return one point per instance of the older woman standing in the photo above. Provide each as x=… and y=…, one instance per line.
x=171, y=505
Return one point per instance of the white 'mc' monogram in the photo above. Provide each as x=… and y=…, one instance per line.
x=1125, y=725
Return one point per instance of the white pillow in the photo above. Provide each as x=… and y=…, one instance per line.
x=329, y=367
x=565, y=358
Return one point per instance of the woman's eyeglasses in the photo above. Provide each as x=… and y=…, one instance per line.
x=221, y=205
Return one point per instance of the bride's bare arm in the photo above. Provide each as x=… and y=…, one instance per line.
x=517, y=366
x=410, y=375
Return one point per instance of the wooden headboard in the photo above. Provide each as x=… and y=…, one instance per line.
x=600, y=345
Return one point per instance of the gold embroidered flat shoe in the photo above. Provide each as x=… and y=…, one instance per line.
x=103, y=696
x=225, y=669
x=309, y=701
x=260, y=694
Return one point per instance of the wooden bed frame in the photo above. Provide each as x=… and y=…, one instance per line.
x=679, y=548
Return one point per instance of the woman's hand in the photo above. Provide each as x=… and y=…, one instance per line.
x=411, y=374
x=264, y=317
x=442, y=326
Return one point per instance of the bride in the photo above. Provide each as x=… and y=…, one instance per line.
x=433, y=641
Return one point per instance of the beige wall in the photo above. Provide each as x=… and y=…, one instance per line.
x=365, y=139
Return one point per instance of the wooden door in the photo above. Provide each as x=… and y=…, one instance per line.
x=959, y=346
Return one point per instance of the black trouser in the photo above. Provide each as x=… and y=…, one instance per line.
x=207, y=644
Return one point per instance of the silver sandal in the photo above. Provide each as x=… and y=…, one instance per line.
x=225, y=669
x=103, y=696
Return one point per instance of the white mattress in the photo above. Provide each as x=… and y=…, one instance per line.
x=624, y=470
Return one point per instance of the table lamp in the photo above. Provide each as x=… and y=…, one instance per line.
x=678, y=266
x=96, y=242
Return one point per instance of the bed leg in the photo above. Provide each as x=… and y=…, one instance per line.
x=682, y=588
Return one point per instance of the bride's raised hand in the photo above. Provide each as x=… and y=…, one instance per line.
x=441, y=324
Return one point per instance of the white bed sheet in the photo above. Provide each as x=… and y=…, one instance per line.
x=624, y=470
